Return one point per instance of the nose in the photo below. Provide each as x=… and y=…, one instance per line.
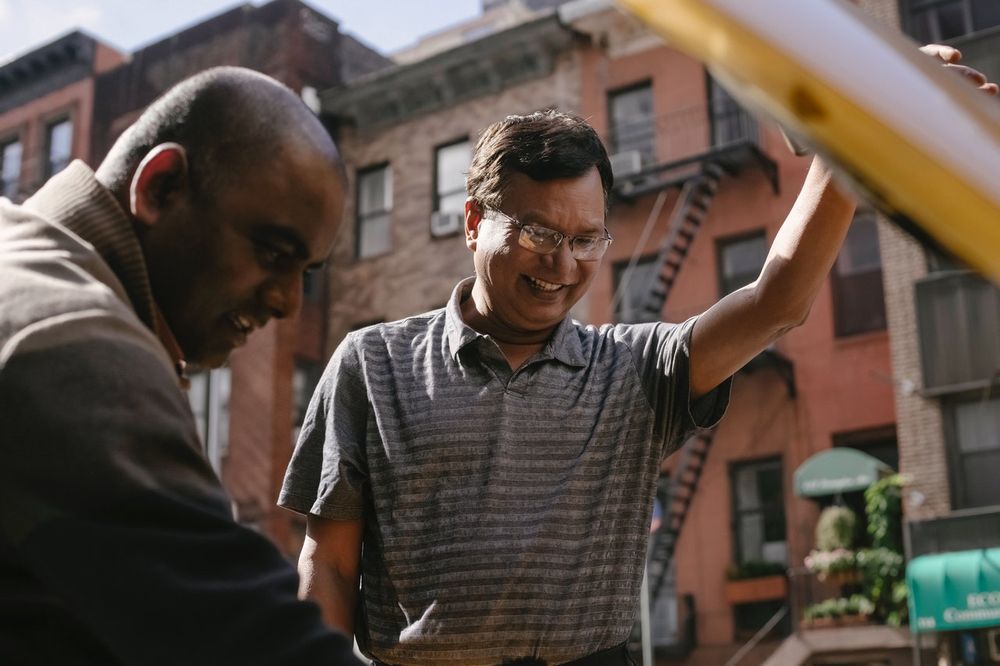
x=283, y=295
x=561, y=259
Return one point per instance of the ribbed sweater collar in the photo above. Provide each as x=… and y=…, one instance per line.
x=74, y=199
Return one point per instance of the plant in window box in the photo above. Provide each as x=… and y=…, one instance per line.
x=843, y=611
x=837, y=566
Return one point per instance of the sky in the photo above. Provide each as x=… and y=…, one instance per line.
x=386, y=25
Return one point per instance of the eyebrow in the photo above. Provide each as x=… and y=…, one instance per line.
x=537, y=220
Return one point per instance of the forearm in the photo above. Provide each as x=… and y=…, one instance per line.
x=804, y=248
x=336, y=595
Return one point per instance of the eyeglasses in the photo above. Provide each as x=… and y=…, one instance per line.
x=543, y=240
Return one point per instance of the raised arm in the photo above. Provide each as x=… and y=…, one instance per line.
x=745, y=322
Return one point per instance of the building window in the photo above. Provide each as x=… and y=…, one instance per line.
x=880, y=443
x=209, y=397
x=631, y=287
x=451, y=163
x=305, y=379
x=314, y=285
x=374, y=212
x=58, y=146
x=958, y=316
x=10, y=169
x=759, y=512
x=740, y=261
x=633, y=125
x=974, y=426
x=729, y=122
x=932, y=21
x=856, y=280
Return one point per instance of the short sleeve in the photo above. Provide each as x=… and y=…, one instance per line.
x=662, y=356
x=327, y=475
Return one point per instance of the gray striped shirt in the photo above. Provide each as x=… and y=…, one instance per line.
x=506, y=513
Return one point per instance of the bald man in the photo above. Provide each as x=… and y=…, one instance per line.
x=116, y=541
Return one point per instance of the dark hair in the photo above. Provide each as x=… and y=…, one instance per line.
x=544, y=145
x=228, y=119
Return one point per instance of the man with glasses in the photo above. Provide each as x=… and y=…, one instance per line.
x=490, y=466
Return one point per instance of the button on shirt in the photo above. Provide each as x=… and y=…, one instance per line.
x=506, y=512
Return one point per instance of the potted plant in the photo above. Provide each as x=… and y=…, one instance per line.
x=833, y=559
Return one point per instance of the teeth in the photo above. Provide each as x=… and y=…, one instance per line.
x=543, y=285
x=242, y=323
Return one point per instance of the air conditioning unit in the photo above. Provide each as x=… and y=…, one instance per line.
x=445, y=223
x=626, y=163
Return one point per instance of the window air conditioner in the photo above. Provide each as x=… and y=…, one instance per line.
x=626, y=163
x=446, y=223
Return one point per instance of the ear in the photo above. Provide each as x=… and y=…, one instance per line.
x=473, y=216
x=160, y=174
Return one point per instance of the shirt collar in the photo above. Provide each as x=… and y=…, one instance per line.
x=564, y=345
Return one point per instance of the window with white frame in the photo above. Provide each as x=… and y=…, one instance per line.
x=759, y=512
x=58, y=146
x=209, y=398
x=10, y=168
x=451, y=162
x=633, y=123
x=374, y=228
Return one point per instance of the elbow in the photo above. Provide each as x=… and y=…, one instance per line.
x=783, y=313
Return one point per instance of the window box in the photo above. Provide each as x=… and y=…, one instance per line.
x=750, y=590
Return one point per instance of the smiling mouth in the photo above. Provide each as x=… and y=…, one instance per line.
x=542, y=285
x=243, y=325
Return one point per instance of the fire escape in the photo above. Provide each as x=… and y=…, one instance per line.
x=641, y=295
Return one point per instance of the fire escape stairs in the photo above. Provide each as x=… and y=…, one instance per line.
x=689, y=212
x=681, y=489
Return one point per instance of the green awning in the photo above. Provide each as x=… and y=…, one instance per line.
x=838, y=470
x=954, y=590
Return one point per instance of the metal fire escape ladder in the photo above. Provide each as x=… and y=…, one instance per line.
x=683, y=485
x=689, y=212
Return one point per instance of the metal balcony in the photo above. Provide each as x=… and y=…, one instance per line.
x=676, y=146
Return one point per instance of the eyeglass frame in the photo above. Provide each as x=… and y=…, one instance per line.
x=560, y=235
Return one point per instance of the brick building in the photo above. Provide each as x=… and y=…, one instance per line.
x=944, y=324
x=47, y=109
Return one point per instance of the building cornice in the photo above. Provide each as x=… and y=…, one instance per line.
x=488, y=65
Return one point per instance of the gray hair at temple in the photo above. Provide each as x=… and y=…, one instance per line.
x=545, y=145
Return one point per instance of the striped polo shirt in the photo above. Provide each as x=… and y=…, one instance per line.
x=506, y=512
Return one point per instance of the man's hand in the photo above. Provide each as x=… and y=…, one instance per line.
x=950, y=56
